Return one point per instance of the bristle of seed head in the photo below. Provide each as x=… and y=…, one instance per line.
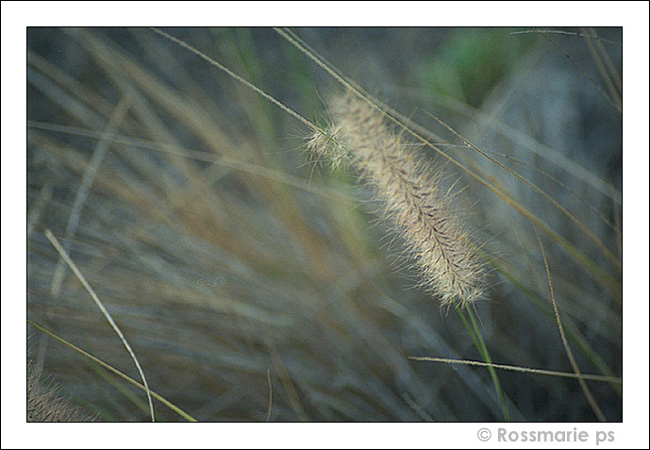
x=45, y=405
x=411, y=194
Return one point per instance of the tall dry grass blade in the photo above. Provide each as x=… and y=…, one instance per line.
x=608, y=253
x=209, y=157
x=270, y=407
x=611, y=69
x=537, y=148
x=236, y=77
x=590, y=398
x=84, y=188
x=113, y=370
x=59, y=248
x=554, y=373
x=568, y=33
x=600, y=90
x=36, y=210
x=607, y=71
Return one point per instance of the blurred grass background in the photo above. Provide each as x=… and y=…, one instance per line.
x=227, y=256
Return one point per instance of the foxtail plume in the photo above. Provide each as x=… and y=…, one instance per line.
x=411, y=194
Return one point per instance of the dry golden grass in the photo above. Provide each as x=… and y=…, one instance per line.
x=253, y=286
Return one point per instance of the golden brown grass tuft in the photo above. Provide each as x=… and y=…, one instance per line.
x=44, y=404
x=411, y=193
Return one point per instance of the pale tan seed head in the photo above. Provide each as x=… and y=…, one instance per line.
x=44, y=404
x=412, y=197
